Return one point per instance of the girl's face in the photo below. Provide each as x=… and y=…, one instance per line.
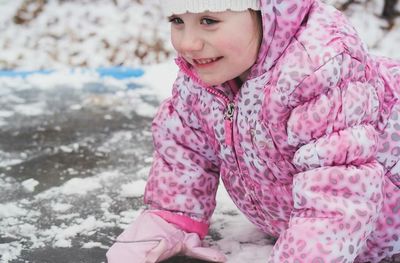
x=219, y=45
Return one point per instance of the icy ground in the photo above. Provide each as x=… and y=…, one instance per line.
x=75, y=150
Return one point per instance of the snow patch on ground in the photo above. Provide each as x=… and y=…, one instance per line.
x=30, y=184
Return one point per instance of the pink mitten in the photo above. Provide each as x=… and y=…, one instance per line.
x=151, y=239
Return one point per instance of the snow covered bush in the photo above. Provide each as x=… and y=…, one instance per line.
x=38, y=34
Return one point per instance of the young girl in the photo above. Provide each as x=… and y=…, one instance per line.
x=298, y=119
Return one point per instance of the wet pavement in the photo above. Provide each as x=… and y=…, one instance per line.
x=67, y=158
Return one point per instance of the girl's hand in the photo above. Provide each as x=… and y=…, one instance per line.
x=151, y=239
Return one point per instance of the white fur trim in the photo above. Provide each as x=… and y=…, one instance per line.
x=171, y=7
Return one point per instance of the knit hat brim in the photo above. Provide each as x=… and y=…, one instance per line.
x=171, y=7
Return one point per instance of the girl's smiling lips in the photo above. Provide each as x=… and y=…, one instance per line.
x=204, y=62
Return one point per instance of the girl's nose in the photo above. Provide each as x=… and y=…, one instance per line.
x=191, y=42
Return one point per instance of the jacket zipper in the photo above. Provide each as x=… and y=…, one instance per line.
x=228, y=115
x=229, y=111
x=229, y=105
x=228, y=119
x=228, y=123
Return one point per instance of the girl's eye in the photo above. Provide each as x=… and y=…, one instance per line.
x=208, y=21
x=175, y=20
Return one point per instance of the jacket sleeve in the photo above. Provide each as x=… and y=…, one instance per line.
x=184, y=176
x=338, y=191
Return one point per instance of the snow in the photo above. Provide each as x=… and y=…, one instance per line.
x=60, y=207
x=133, y=189
x=11, y=210
x=30, y=184
x=30, y=109
x=80, y=186
x=92, y=34
x=82, y=34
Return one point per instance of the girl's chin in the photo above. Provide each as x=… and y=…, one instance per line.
x=210, y=81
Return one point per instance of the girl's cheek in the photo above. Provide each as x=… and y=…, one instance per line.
x=228, y=46
x=175, y=40
x=237, y=48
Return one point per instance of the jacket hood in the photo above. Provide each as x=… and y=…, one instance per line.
x=281, y=19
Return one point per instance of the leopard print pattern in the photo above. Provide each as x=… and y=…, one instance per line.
x=315, y=159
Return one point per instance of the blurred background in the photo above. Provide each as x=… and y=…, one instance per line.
x=43, y=34
x=75, y=141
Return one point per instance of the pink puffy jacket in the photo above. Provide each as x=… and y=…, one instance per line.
x=308, y=148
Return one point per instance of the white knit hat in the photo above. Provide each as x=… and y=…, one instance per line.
x=171, y=7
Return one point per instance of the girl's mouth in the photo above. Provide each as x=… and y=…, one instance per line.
x=205, y=61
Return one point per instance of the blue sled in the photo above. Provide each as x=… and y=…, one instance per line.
x=114, y=72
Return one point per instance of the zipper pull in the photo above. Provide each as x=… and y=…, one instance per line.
x=230, y=109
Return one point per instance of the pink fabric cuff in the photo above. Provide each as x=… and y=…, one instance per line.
x=184, y=223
